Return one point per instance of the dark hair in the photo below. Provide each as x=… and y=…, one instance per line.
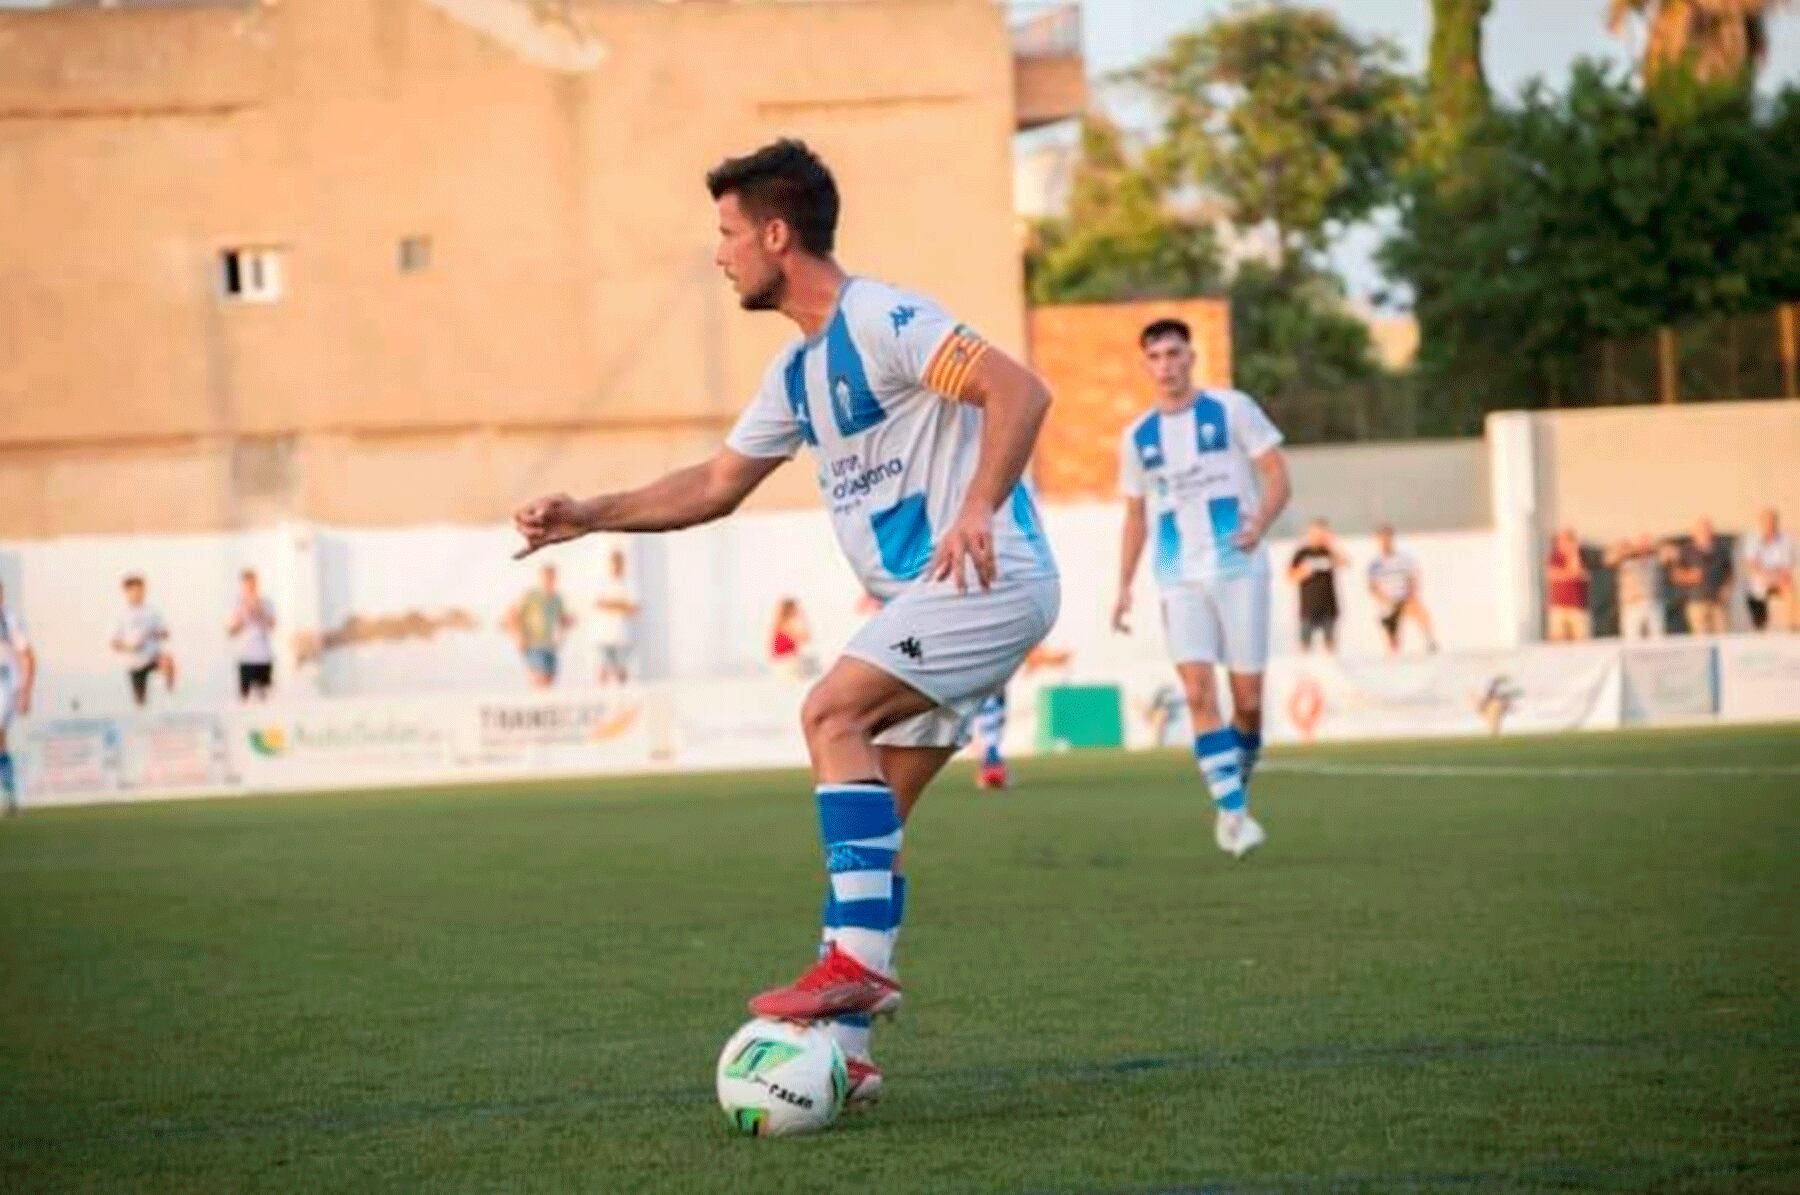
x=783, y=180
x=1157, y=329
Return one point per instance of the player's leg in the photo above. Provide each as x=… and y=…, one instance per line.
x=990, y=731
x=908, y=771
x=1390, y=628
x=165, y=664
x=1415, y=609
x=1244, y=606
x=1191, y=619
x=140, y=684
x=929, y=648
x=8, y=782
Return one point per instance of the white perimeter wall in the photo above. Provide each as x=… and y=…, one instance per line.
x=709, y=593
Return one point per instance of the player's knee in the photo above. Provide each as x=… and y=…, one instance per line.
x=1202, y=700
x=830, y=713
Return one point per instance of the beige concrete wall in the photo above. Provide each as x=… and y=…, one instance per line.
x=556, y=166
x=1617, y=471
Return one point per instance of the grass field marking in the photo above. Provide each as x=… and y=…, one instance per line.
x=1526, y=771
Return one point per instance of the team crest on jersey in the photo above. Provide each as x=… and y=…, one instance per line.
x=1209, y=436
x=902, y=316
x=1151, y=455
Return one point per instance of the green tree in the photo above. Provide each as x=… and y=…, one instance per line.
x=1456, y=91
x=1120, y=239
x=1292, y=120
x=1588, y=214
x=1306, y=359
x=1713, y=41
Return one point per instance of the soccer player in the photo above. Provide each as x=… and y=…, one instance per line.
x=1207, y=466
x=18, y=673
x=920, y=432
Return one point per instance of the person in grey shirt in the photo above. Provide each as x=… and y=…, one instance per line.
x=1639, y=570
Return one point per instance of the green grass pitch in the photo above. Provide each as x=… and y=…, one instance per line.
x=1554, y=964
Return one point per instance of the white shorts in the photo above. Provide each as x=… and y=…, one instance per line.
x=8, y=706
x=1220, y=622
x=954, y=648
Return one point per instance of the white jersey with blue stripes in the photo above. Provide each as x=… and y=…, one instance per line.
x=873, y=396
x=1194, y=469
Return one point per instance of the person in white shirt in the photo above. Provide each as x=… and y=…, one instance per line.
x=1769, y=575
x=1205, y=469
x=18, y=673
x=143, y=638
x=617, y=625
x=252, y=630
x=920, y=431
x=1394, y=583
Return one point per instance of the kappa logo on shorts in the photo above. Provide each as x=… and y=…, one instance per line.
x=909, y=647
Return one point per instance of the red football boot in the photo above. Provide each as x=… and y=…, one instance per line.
x=865, y=1083
x=835, y=985
x=992, y=776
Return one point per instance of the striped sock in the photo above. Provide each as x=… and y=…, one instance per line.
x=7, y=785
x=990, y=727
x=1249, y=751
x=854, y=1031
x=860, y=829
x=1217, y=751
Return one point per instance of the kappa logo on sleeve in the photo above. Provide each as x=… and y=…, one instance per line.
x=902, y=316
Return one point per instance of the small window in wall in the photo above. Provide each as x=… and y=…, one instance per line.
x=250, y=275
x=415, y=254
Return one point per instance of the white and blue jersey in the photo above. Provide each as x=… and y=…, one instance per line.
x=874, y=396
x=1195, y=471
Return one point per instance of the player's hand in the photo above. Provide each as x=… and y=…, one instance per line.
x=1248, y=536
x=1121, y=619
x=551, y=520
x=967, y=541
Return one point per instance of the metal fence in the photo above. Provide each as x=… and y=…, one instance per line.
x=1748, y=356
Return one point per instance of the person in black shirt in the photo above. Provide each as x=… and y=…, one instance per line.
x=1313, y=569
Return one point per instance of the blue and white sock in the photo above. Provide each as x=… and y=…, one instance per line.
x=854, y=1031
x=990, y=726
x=1217, y=751
x=7, y=785
x=860, y=829
x=1249, y=751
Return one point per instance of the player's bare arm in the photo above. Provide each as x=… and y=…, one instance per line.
x=28, y=669
x=1272, y=470
x=1131, y=550
x=686, y=497
x=1014, y=402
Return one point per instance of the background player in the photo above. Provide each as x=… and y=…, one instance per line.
x=1207, y=466
x=18, y=673
x=921, y=433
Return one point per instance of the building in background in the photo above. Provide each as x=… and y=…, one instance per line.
x=397, y=263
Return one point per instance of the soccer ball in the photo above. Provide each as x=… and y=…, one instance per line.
x=778, y=1078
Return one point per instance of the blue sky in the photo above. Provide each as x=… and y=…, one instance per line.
x=1522, y=39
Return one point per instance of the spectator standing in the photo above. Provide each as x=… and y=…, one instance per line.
x=1394, y=583
x=618, y=606
x=1769, y=575
x=142, y=637
x=1314, y=570
x=538, y=623
x=1639, y=570
x=252, y=630
x=1567, y=580
x=788, y=641
x=1702, y=573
